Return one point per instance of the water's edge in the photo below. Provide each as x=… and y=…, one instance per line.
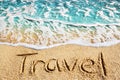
x=38, y=47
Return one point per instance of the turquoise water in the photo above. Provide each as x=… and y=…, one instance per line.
x=75, y=11
x=54, y=22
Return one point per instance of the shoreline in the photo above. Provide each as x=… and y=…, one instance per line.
x=72, y=42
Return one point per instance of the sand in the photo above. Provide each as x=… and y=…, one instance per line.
x=68, y=62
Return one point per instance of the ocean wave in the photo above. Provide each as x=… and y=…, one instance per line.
x=42, y=24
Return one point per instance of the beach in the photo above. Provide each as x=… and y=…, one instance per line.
x=59, y=39
x=67, y=62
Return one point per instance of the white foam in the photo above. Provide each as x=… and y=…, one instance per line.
x=87, y=13
x=102, y=36
x=77, y=42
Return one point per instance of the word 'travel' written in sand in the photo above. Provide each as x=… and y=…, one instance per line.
x=86, y=65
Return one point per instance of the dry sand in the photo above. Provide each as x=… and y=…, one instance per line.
x=69, y=62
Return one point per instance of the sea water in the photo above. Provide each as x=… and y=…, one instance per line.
x=43, y=24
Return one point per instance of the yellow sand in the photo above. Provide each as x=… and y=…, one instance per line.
x=75, y=63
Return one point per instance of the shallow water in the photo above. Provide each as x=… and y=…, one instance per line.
x=48, y=23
